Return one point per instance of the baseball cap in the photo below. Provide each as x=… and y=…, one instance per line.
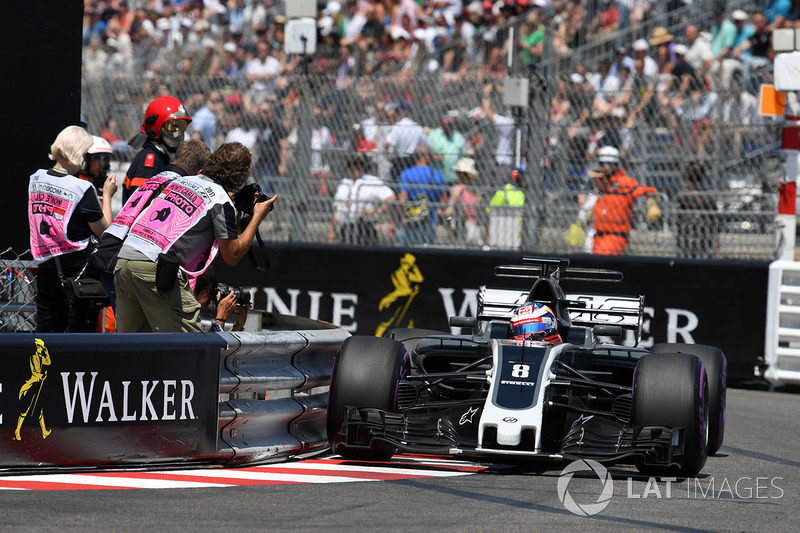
x=739, y=15
x=681, y=49
x=640, y=44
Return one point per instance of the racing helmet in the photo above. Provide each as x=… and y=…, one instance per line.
x=165, y=118
x=608, y=154
x=534, y=321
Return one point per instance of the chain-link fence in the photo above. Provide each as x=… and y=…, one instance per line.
x=17, y=293
x=305, y=129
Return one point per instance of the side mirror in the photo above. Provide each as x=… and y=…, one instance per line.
x=463, y=322
x=607, y=330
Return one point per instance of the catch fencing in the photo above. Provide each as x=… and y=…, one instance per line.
x=304, y=131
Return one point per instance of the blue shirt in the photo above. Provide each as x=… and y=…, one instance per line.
x=418, y=180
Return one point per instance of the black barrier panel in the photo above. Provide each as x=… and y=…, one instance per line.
x=95, y=399
x=370, y=290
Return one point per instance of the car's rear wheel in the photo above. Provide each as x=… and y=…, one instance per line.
x=366, y=373
x=716, y=372
x=671, y=390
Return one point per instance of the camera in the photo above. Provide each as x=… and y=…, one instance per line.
x=245, y=198
x=242, y=296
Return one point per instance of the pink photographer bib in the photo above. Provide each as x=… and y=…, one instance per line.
x=51, y=203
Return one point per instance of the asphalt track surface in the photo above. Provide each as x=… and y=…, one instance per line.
x=752, y=484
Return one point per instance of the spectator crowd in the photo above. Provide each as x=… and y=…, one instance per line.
x=227, y=62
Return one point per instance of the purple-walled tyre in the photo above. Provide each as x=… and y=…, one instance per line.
x=671, y=390
x=365, y=374
x=716, y=370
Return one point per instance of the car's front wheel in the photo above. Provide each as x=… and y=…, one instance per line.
x=366, y=373
x=671, y=390
x=716, y=371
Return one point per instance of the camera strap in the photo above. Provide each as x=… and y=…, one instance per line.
x=252, y=256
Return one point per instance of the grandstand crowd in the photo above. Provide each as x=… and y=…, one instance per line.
x=669, y=70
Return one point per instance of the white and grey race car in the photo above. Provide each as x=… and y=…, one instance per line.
x=486, y=395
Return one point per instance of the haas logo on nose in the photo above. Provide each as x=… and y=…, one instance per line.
x=161, y=215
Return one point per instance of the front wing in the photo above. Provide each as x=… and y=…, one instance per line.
x=452, y=431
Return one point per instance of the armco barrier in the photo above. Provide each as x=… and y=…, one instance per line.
x=112, y=400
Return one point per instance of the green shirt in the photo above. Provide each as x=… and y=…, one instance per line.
x=453, y=149
x=530, y=40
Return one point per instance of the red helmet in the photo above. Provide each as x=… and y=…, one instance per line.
x=161, y=110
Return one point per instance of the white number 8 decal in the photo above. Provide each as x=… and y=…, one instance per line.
x=521, y=371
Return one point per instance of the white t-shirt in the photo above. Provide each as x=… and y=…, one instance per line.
x=504, y=154
x=269, y=67
x=405, y=136
x=354, y=200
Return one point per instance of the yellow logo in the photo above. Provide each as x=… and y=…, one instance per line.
x=405, y=280
x=32, y=389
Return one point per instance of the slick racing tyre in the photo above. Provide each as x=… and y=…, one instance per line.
x=365, y=374
x=716, y=372
x=671, y=390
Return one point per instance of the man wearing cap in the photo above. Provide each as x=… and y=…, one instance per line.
x=723, y=39
x=613, y=211
x=621, y=58
x=682, y=71
x=641, y=49
x=505, y=221
x=447, y=145
x=754, y=51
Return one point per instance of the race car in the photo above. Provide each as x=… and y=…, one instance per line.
x=570, y=396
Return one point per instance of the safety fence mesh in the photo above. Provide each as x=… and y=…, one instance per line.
x=304, y=129
x=17, y=293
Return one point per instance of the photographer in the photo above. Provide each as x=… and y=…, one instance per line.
x=177, y=237
x=64, y=212
x=218, y=301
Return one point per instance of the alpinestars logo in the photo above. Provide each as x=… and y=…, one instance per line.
x=585, y=509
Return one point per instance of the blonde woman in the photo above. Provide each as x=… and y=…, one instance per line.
x=63, y=213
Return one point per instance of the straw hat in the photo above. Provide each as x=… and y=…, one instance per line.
x=660, y=36
x=467, y=166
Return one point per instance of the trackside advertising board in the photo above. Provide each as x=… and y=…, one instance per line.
x=370, y=290
x=93, y=398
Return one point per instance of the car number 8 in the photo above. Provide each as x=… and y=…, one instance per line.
x=520, y=371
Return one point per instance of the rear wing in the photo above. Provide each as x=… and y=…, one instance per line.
x=545, y=267
x=584, y=309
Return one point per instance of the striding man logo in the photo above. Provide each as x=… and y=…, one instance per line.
x=31, y=390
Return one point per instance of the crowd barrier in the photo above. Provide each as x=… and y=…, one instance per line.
x=121, y=400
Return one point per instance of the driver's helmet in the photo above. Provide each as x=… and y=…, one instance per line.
x=534, y=321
